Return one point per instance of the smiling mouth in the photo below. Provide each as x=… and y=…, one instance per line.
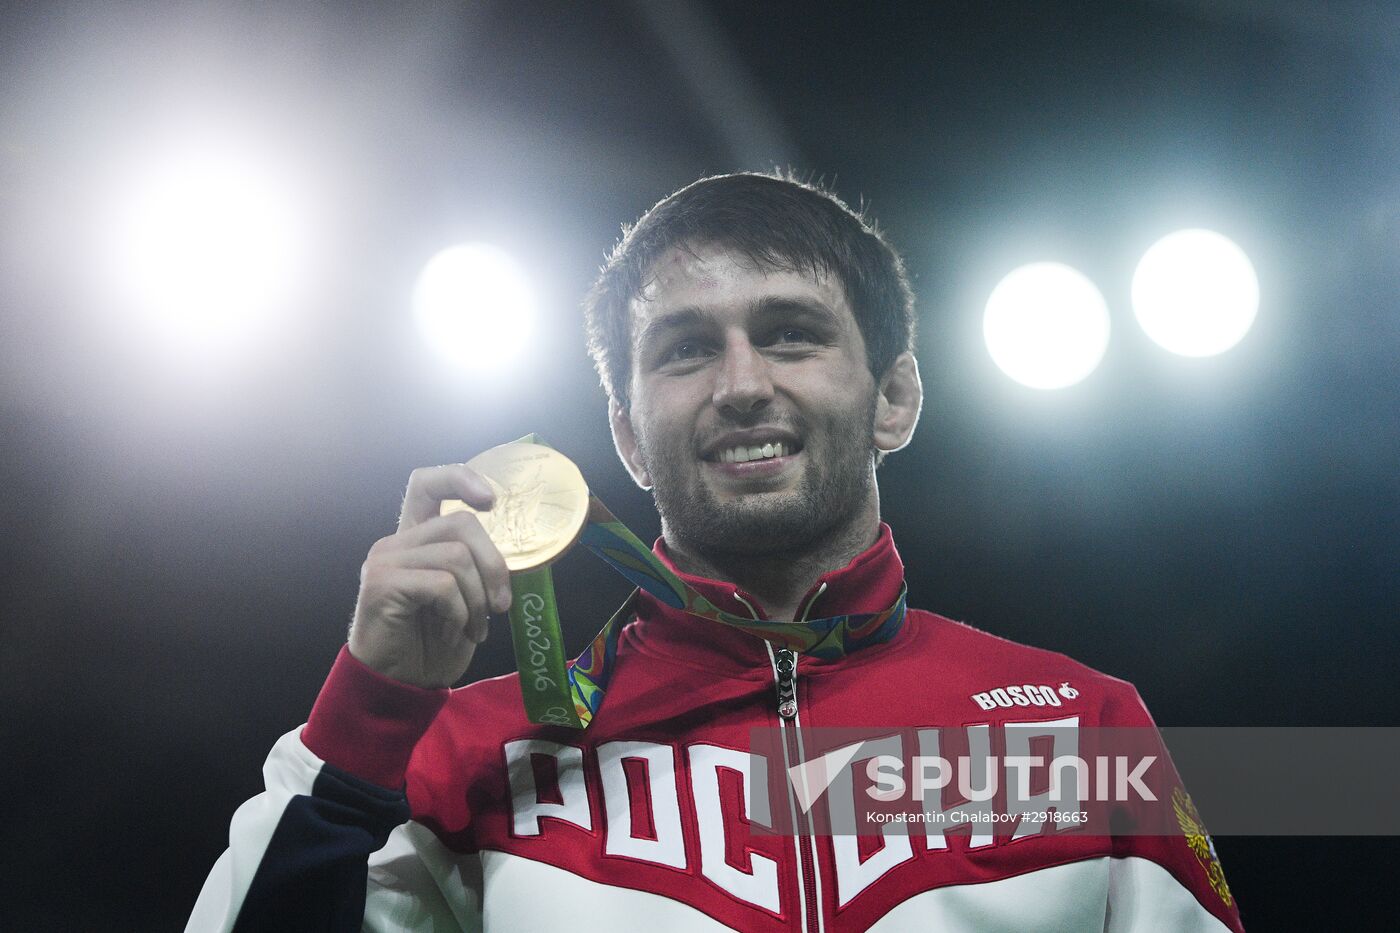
x=747, y=453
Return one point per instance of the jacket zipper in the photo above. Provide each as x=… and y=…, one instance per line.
x=783, y=662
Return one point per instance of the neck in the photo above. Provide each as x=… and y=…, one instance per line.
x=781, y=577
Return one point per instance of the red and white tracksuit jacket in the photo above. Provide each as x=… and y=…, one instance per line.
x=397, y=808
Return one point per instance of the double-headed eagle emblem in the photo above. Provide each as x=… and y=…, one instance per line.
x=1198, y=840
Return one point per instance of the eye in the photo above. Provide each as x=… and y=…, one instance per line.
x=688, y=350
x=792, y=338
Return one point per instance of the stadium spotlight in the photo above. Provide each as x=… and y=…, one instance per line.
x=1195, y=293
x=1046, y=325
x=475, y=305
x=205, y=243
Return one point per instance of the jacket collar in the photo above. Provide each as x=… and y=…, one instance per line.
x=871, y=582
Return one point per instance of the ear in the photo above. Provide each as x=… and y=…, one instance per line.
x=625, y=440
x=899, y=399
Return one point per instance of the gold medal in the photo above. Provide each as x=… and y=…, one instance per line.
x=541, y=503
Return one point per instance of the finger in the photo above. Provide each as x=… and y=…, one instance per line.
x=451, y=599
x=465, y=528
x=429, y=486
x=490, y=565
x=437, y=591
x=477, y=610
x=454, y=526
x=453, y=557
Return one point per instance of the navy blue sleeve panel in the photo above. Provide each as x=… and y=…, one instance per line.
x=313, y=874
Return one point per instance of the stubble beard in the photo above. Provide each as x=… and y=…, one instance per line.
x=834, y=487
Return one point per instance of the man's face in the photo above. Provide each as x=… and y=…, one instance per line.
x=752, y=403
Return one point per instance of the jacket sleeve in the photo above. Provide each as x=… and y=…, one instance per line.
x=1168, y=876
x=328, y=845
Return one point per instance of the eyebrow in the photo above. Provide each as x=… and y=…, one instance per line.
x=769, y=307
x=777, y=306
x=675, y=320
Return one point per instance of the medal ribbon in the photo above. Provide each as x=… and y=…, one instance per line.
x=570, y=694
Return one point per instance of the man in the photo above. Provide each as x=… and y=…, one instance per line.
x=754, y=337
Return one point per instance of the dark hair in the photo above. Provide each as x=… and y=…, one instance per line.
x=777, y=222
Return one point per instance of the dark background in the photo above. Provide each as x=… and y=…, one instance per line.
x=179, y=556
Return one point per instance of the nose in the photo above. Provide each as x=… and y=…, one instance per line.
x=743, y=382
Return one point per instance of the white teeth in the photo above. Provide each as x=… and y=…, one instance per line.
x=745, y=454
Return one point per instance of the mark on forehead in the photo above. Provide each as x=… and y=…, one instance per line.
x=686, y=254
x=685, y=260
x=678, y=265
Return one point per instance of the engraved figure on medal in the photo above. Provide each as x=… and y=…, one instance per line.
x=518, y=506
